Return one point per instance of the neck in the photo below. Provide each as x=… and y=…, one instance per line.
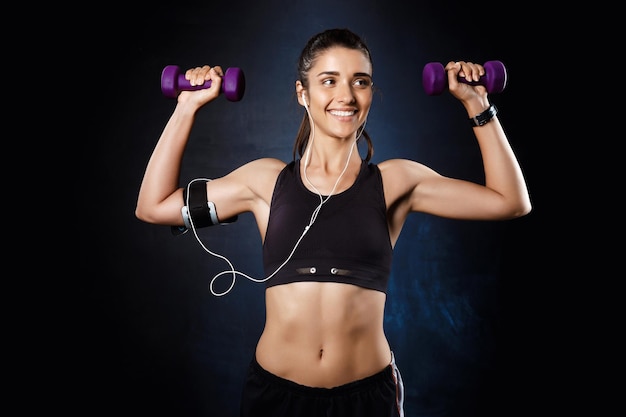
x=328, y=173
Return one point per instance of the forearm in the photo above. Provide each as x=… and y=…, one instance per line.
x=506, y=194
x=160, y=198
x=503, y=173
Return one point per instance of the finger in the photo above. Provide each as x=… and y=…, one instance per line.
x=463, y=71
x=218, y=70
x=453, y=65
x=198, y=75
x=480, y=72
x=473, y=71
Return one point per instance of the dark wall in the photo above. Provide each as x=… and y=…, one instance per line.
x=152, y=338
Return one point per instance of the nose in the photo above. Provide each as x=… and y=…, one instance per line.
x=345, y=94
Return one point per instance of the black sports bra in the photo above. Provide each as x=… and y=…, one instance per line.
x=348, y=242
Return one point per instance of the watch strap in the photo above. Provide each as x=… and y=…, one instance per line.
x=484, y=117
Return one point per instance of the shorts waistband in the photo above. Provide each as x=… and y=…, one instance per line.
x=354, y=386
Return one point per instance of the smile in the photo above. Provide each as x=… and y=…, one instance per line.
x=342, y=113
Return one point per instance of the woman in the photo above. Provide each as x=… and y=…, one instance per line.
x=329, y=220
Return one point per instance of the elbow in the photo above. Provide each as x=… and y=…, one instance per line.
x=526, y=209
x=163, y=212
x=520, y=210
x=144, y=215
x=525, y=206
x=140, y=214
x=160, y=214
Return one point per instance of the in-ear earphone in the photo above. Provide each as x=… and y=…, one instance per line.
x=304, y=99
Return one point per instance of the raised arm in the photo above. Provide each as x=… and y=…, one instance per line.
x=505, y=193
x=411, y=186
x=160, y=195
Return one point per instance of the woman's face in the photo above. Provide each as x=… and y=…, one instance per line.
x=339, y=95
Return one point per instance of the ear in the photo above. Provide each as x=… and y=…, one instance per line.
x=299, y=91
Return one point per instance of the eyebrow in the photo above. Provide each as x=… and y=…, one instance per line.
x=356, y=74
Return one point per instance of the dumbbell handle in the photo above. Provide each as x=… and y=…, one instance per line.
x=173, y=82
x=435, y=81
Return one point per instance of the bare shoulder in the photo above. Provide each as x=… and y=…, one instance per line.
x=247, y=188
x=257, y=176
x=392, y=166
x=401, y=176
x=262, y=169
x=398, y=169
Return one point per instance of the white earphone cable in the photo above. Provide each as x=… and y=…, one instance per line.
x=323, y=200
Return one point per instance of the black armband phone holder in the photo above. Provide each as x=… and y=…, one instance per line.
x=200, y=212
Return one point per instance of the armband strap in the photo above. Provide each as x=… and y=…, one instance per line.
x=198, y=205
x=200, y=212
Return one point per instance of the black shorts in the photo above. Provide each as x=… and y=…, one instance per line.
x=267, y=395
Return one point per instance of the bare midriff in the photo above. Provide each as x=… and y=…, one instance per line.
x=322, y=334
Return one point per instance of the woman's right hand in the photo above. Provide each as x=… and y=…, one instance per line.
x=198, y=76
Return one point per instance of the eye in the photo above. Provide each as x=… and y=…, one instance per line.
x=328, y=81
x=362, y=82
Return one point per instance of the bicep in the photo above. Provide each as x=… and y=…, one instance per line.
x=247, y=189
x=230, y=194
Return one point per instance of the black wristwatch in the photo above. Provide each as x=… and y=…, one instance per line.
x=482, y=118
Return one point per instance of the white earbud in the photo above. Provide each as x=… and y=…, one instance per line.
x=304, y=99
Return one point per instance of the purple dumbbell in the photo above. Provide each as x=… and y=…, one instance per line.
x=435, y=81
x=173, y=82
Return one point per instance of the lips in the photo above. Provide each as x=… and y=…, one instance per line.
x=342, y=113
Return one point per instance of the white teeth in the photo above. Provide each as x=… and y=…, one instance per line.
x=342, y=113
